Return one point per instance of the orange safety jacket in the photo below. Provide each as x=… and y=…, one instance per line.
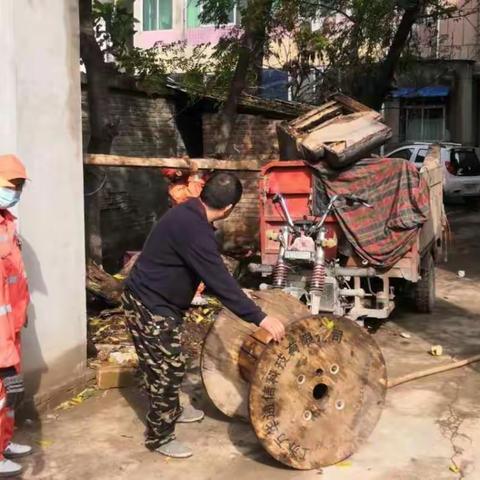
x=14, y=295
x=191, y=188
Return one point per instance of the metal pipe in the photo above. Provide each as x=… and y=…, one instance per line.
x=352, y=292
x=354, y=272
x=278, y=198
x=260, y=268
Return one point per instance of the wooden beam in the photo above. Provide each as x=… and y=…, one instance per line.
x=180, y=163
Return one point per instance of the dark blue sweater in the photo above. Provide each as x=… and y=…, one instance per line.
x=180, y=252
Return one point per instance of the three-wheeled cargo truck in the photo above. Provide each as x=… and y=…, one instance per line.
x=344, y=231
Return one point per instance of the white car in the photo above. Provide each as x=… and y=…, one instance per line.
x=462, y=167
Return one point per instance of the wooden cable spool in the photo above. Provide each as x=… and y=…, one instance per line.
x=313, y=398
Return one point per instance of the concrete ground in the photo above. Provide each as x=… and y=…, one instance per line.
x=428, y=430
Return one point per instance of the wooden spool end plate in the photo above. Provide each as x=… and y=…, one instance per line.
x=220, y=361
x=316, y=396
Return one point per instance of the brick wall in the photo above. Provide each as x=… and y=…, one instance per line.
x=254, y=137
x=147, y=125
x=240, y=230
x=132, y=202
x=132, y=199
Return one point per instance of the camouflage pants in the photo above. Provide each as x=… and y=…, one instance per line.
x=162, y=363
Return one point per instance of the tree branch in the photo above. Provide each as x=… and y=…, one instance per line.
x=102, y=128
x=330, y=8
x=377, y=89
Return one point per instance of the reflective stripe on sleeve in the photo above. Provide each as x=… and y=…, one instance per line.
x=4, y=309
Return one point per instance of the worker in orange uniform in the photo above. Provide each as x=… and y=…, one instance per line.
x=14, y=299
x=184, y=186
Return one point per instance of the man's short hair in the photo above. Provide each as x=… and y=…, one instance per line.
x=221, y=190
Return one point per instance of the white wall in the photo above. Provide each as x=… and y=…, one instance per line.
x=40, y=121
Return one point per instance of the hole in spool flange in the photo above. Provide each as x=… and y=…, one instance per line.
x=319, y=371
x=320, y=391
x=334, y=369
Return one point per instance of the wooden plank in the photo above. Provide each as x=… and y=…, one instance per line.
x=352, y=104
x=180, y=163
x=316, y=116
x=432, y=172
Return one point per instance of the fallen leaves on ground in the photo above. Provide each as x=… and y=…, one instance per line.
x=453, y=468
x=109, y=328
x=109, y=333
x=77, y=399
x=44, y=443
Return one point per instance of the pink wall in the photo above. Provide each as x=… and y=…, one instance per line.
x=193, y=36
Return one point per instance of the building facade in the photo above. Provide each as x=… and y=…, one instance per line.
x=171, y=21
x=437, y=98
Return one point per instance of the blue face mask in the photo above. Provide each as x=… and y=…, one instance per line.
x=9, y=197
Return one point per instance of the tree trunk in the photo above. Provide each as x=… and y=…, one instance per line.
x=372, y=91
x=102, y=128
x=228, y=114
x=259, y=56
x=250, y=56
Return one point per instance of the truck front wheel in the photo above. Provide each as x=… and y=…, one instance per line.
x=425, y=287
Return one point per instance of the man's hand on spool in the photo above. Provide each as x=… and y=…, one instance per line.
x=273, y=326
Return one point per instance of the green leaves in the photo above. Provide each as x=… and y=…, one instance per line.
x=349, y=41
x=216, y=12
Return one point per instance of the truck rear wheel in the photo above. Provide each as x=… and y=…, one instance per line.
x=425, y=287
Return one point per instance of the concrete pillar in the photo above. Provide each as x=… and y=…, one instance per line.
x=41, y=122
x=8, y=117
x=391, y=113
x=465, y=111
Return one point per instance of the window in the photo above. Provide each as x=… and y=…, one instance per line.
x=405, y=153
x=194, y=9
x=422, y=122
x=157, y=15
x=464, y=163
x=421, y=154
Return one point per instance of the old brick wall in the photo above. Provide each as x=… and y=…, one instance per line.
x=254, y=137
x=132, y=199
x=132, y=202
x=240, y=230
x=146, y=125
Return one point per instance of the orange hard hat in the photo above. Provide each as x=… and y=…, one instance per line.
x=11, y=168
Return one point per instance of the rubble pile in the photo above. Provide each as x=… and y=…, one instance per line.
x=113, y=344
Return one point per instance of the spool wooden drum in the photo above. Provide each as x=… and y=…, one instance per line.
x=313, y=398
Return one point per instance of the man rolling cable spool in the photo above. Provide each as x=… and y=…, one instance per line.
x=14, y=299
x=180, y=252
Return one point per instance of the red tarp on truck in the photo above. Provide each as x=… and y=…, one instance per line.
x=399, y=195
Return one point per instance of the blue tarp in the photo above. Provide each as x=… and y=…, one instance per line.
x=418, y=92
